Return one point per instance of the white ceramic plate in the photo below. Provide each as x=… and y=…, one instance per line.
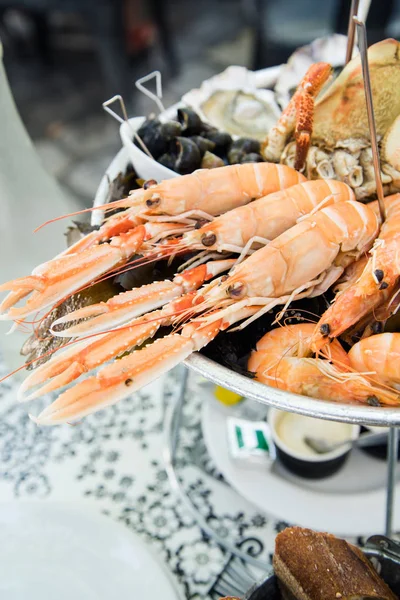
x=350, y=503
x=51, y=552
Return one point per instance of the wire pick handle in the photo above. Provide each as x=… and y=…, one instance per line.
x=362, y=42
x=351, y=30
x=158, y=95
x=118, y=98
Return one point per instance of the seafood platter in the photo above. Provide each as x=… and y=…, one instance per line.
x=273, y=275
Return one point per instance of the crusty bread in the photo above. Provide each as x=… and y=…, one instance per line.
x=318, y=566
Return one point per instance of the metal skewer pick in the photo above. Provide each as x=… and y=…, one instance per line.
x=106, y=106
x=362, y=42
x=158, y=95
x=351, y=30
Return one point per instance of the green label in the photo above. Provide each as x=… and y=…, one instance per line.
x=261, y=441
x=239, y=436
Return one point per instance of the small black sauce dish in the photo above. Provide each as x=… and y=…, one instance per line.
x=310, y=465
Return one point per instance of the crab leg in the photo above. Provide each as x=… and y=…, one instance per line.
x=298, y=117
x=136, y=302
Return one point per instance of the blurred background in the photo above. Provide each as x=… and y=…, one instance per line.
x=65, y=57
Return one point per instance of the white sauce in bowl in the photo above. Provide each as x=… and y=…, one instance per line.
x=292, y=429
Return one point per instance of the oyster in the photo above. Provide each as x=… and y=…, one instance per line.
x=232, y=102
x=239, y=113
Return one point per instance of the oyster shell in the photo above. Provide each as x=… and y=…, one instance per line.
x=232, y=102
x=330, y=49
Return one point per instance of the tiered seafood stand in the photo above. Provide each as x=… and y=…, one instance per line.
x=249, y=389
x=259, y=393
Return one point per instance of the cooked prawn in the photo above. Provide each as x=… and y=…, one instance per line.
x=378, y=355
x=375, y=321
x=282, y=360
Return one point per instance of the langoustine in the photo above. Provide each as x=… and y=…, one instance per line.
x=210, y=192
x=236, y=231
x=281, y=210
x=299, y=263
x=375, y=286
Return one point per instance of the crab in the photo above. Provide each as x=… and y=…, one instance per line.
x=328, y=137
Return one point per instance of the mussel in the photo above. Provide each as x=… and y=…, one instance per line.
x=168, y=160
x=251, y=157
x=203, y=144
x=151, y=135
x=235, y=156
x=246, y=145
x=221, y=140
x=190, y=121
x=189, y=157
x=170, y=130
x=211, y=161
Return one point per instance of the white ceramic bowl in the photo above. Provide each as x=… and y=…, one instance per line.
x=145, y=167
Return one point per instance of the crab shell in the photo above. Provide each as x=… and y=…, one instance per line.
x=340, y=144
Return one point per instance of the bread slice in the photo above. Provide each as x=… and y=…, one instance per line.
x=318, y=566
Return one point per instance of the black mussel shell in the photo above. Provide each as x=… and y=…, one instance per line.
x=150, y=272
x=189, y=157
x=171, y=130
x=246, y=145
x=151, y=135
x=168, y=160
x=221, y=140
x=232, y=348
x=190, y=121
x=207, y=127
x=203, y=144
x=235, y=156
x=211, y=161
x=251, y=158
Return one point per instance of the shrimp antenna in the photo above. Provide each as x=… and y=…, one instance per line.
x=123, y=203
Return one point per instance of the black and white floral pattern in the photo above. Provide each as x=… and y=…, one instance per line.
x=113, y=460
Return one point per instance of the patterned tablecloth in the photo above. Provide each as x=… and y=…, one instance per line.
x=113, y=461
